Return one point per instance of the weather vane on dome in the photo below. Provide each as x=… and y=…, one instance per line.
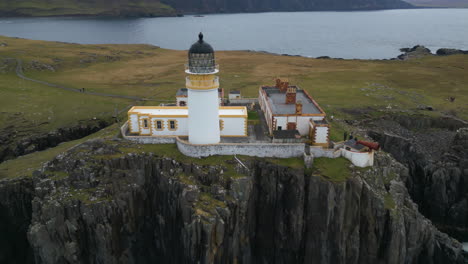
x=200, y=37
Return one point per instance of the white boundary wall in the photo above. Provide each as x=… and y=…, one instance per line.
x=319, y=152
x=146, y=139
x=263, y=150
x=248, y=149
x=360, y=159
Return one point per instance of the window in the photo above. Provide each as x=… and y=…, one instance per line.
x=145, y=123
x=159, y=125
x=172, y=124
x=279, y=127
x=182, y=103
x=221, y=124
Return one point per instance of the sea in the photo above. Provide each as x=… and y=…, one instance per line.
x=349, y=35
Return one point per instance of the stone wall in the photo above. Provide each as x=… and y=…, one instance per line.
x=249, y=149
x=319, y=152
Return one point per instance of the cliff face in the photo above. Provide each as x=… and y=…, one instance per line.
x=13, y=144
x=141, y=208
x=436, y=153
x=15, y=217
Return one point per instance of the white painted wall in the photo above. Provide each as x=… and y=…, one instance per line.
x=233, y=126
x=360, y=159
x=143, y=130
x=182, y=126
x=321, y=135
x=134, y=125
x=302, y=122
x=288, y=150
x=203, y=121
x=234, y=96
x=179, y=99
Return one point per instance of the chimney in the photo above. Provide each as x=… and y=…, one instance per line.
x=291, y=95
x=278, y=83
x=299, y=107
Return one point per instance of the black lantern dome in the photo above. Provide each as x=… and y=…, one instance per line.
x=201, y=57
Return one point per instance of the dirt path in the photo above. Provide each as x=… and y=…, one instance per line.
x=19, y=72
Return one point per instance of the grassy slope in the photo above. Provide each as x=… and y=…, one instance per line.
x=335, y=84
x=146, y=71
x=90, y=8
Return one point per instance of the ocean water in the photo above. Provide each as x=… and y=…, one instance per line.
x=363, y=35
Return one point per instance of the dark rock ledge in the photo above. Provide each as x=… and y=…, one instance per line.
x=96, y=205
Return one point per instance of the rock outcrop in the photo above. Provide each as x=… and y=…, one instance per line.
x=417, y=51
x=15, y=217
x=95, y=204
x=436, y=153
x=13, y=144
x=446, y=52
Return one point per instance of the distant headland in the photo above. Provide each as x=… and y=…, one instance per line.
x=156, y=8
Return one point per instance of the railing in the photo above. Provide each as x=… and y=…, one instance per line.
x=201, y=70
x=202, y=84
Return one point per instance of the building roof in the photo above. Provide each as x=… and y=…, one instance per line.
x=201, y=47
x=182, y=92
x=277, y=100
x=165, y=111
x=284, y=134
x=320, y=122
x=352, y=143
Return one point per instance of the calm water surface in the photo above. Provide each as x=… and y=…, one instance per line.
x=370, y=34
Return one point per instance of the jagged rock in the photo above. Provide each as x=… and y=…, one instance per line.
x=36, y=65
x=414, y=52
x=11, y=147
x=446, y=52
x=139, y=208
x=15, y=217
x=436, y=153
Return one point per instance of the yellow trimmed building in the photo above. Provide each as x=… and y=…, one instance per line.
x=203, y=120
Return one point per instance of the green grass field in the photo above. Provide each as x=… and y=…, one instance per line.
x=341, y=87
x=83, y=8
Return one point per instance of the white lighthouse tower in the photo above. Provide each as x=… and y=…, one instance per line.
x=202, y=85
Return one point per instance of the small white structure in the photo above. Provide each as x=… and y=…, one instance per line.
x=233, y=95
x=319, y=132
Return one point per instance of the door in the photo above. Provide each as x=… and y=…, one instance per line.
x=291, y=126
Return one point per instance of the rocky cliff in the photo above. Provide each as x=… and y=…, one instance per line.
x=436, y=153
x=14, y=143
x=98, y=204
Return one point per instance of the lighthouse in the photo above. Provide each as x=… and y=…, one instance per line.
x=202, y=86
